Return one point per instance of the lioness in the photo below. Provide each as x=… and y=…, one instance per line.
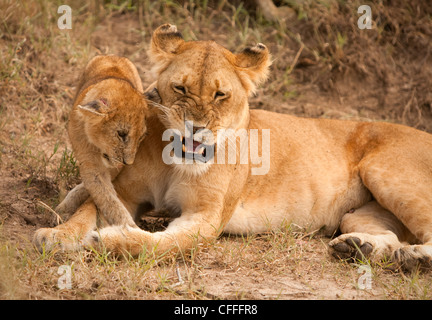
x=319, y=169
x=106, y=125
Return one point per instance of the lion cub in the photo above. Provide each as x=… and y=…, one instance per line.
x=106, y=126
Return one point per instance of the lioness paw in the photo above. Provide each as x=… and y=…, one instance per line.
x=46, y=239
x=120, y=240
x=350, y=246
x=415, y=256
x=111, y=238
x=92, y=239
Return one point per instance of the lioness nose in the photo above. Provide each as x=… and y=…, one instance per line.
x=196, y=129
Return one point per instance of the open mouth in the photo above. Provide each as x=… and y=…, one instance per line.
x=193, y=149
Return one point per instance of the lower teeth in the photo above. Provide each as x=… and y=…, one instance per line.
x=200, y=152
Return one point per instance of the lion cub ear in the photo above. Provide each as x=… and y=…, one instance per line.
x=165, y=42
x=153, y=96
x=254, y=62
x=96, y=107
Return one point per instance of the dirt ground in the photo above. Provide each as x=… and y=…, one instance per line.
x=324, y=67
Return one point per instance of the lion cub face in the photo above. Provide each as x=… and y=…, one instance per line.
x=114, y=120
x=203, y=84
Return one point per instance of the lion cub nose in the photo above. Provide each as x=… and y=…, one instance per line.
x=128, y=161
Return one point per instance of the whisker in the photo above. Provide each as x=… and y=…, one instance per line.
x=158, y=105
x=116, y=160
x=163, y=117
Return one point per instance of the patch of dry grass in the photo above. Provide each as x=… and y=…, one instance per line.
x=276, y=265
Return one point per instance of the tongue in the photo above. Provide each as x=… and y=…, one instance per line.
x=191, y=145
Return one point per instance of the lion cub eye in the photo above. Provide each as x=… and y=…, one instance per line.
x=180, y=89
x=122, y=134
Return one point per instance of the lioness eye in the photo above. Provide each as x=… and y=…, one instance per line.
x=219, y=94
x=180, y=89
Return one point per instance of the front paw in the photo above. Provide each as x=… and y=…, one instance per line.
x=109, y=238
x=47, y=239
x=92, y=240
x=43, y=239
x=118, y=240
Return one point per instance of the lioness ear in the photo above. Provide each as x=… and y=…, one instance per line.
x=164, y=44
x=95, y=107
x=254, y=62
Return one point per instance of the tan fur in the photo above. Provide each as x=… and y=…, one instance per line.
x=319, y=169
x=108, y=117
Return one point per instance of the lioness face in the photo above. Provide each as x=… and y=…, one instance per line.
x=114, y=115
x=204, y=86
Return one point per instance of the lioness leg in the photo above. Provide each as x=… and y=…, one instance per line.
x=180, y=235
x=402, y=183
x=370, y=231
x=69, y=235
